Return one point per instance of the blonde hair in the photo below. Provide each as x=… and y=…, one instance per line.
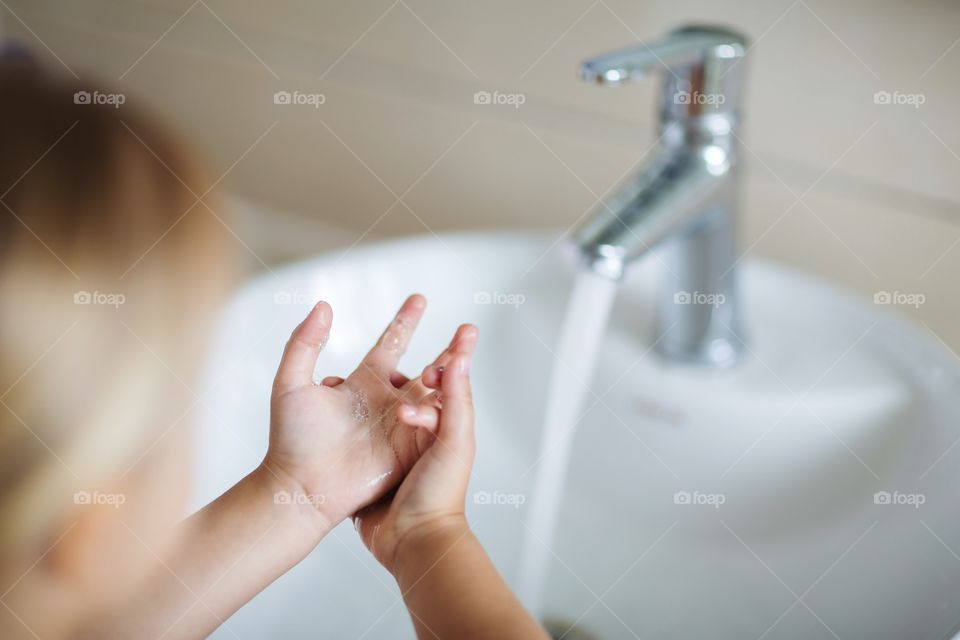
x=111, y=252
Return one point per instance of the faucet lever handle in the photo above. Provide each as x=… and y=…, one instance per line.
x=702, y=74
x=683, y=49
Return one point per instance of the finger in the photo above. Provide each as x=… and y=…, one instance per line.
x=300, y=355
x=463, y=338
x=385, y=355
x=463, y=342
x=424, y=416
x=463, y=333
x=332, y=381
x=397, y=379
x=456, y=417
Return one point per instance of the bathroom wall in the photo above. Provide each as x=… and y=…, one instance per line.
x=840, y=181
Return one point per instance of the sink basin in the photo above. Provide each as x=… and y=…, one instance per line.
x=809, y=492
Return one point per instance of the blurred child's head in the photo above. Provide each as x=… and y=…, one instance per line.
x=111, y=260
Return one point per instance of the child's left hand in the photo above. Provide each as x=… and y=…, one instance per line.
x=338, y=446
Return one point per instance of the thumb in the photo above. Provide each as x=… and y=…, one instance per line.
x=303, y=348
x=456, y=416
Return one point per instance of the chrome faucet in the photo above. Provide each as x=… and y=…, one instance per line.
x=684, y=201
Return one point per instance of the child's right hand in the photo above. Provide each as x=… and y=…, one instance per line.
x=430, y=500
x=448, y=582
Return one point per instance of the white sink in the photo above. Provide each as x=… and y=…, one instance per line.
x=836, y=400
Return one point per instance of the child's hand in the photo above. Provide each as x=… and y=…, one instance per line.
x=430, y=500
x=420, y=534
x=340, y=444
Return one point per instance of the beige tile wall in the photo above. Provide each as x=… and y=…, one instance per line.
x=881, y=199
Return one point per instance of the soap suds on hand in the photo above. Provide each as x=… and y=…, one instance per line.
x=378, y=479
x=393, y=337
x=359, y=408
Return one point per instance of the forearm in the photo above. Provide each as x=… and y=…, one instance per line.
x=452, y=590
x=227, y=553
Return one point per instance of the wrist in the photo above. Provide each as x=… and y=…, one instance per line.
x=292, y=504
x=425, y=544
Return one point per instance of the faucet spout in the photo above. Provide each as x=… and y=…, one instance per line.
x=666, y=198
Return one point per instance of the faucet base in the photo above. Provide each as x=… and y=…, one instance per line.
x=699, y=323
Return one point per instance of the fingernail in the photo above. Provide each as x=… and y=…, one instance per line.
x=464, y=365
x=409, y=411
